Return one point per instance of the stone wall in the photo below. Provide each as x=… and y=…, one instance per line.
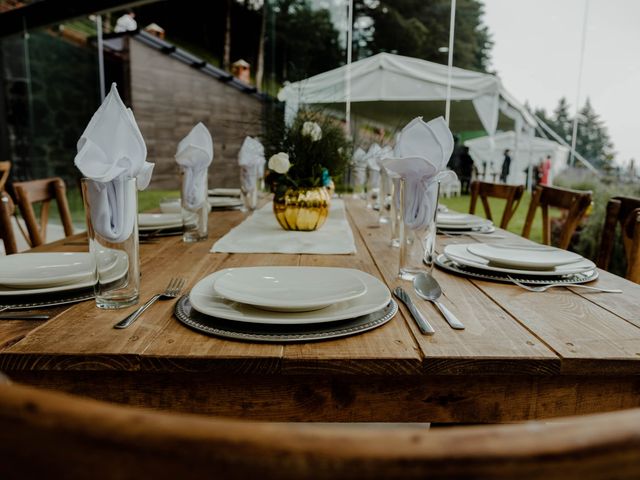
x=170, y=97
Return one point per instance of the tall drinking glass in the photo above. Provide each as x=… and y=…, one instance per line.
x=417, y=240
x=112, y=226
x=195, y=217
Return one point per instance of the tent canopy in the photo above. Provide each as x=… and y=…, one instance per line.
x=392, y=89
x=525, y=150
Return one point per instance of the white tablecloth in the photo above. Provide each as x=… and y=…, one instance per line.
x=261, y=233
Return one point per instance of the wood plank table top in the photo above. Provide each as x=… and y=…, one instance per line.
x=523, y=355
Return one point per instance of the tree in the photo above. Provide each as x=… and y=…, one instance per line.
x=562, y=123
x=592, y=140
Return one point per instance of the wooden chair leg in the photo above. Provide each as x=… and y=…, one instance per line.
x=546, y=226
x=531, y=214
x=608, y=233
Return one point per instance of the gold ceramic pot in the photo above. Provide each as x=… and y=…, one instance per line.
x=302, y=209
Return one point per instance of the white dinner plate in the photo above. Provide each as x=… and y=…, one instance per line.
x=460, y=254
x=230, y=202
x=529, y=257
x=171, y=205
x=42, y=270
x=148, y=221
x=224, y=192
x=205, y=300
x=111, y=270
x=289, y=289
x=454, y=218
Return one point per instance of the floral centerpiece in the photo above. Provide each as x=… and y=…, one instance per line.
x=304, y=161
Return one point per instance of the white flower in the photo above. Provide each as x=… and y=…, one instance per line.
x=279, y=163
x=312, y=130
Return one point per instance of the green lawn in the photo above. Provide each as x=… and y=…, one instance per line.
x=461, y=204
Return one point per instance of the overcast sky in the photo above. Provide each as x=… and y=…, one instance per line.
x=537, y=55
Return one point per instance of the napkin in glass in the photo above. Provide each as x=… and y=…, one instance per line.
x=421, y=156
x=194, y=155
x=251, y=161
x=110, y=150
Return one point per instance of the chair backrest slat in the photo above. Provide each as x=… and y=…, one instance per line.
x=626, y=212
x=484, y=190
x=576, y=202
x=53, y=435
x=6, y=227
x=42, y=191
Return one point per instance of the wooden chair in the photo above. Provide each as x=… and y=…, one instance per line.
x=483, y=190
x=42, y=191
x=626, y=211
x=54, y=435
x=6, y=227
x=5, y=168
x=575, y=202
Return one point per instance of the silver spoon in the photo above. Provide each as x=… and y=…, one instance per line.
x=428, y=288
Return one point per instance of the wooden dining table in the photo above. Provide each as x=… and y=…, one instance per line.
x=523, y=355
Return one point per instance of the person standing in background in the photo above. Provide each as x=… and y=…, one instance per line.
x=465, y=169
x=546, y=171
x=506, y=166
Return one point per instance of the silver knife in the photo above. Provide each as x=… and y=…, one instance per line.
x=424, y=326
x=23, y=316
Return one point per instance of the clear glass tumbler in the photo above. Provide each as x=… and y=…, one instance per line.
x=195, y=208
x=111, y=210
x=249, y=187
x=417, y=240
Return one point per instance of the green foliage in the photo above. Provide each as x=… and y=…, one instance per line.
x=417, y=28
x=308, y=158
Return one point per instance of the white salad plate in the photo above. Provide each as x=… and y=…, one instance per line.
x=460, y=219
x=156, y=221
x=217, y=202
x=224, y=192
x=289, y=289
x=112, y=268
x=532, y=257
x=460, y=254
x=204, y=299
x=42, y=270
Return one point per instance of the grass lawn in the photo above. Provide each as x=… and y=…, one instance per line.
x=461, y=204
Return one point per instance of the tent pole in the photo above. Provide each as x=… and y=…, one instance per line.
x=452, y=30
x=100, y=57
x=574, y=135
x=348, y=71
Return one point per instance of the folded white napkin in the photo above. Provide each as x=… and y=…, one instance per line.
x=111, y=150
x=422, y=153
x=194, y=155
x=251, y=161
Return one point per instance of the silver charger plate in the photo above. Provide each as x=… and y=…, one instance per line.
x=261, y=332
x=23, y=302
x=446, y=263
x=483, y=229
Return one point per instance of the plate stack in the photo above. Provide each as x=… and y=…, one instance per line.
x=529, y=263
x=285, y=304
x=32, y=280
x=463, y=222
x=160, y=223
x=225, y=198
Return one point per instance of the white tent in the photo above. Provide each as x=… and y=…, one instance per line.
x=393, y=89
x=525, y=150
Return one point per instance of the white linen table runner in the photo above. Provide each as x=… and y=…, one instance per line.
x=261, y=233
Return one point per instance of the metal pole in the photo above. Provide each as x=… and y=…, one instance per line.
x=348, y=70
x=574, y=135
x=100, y=57
x=452, y=29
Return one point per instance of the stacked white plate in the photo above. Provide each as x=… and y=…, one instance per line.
x=225, y=198
x=45, y=273
x=454, y=221
x=528, y=262
x=150, y=222
x=289, y=295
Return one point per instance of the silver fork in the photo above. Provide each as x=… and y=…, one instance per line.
x=172, y=291
x=543, y=288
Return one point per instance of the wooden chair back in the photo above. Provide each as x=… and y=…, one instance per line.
x=575, y=202
x=5, y=168
x=484, y=190
x=626, y=211
x=6, y=227
x=54, y=435
x=42, y=191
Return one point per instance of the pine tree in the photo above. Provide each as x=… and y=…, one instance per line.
x=592, y=140
x=561, y=122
